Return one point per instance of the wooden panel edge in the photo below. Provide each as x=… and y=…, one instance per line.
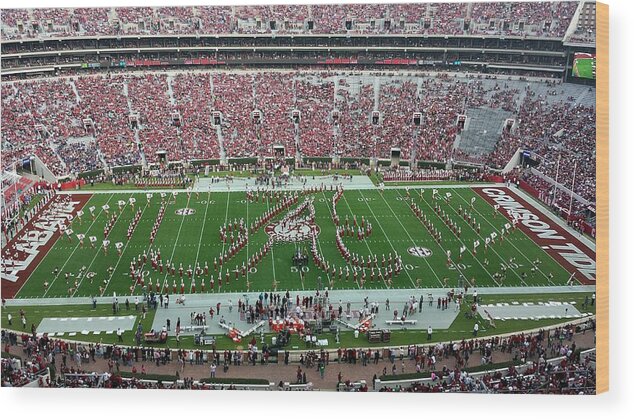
x=603, y=198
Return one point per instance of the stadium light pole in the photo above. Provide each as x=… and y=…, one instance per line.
x=572, y=190
x=556, y=181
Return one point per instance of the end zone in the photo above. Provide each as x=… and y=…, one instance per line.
x=25, y=251
x=576, y=257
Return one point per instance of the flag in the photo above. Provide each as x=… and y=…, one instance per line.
x=106, y=207
x=106, y=243
x=69, y=232
x=149, y=196
x=497, y=206
x=463, y=249
x=121, y=203
x=448, y=195
x=132, y=200
x=92, y=209
x=494, y=235
x=487, y=240
x=163, y=195
x=476, y=244
x=80, y=213
x=93, y=239
x=472, y=200
x=81, y=236
x=507, y=226
x=119, y=245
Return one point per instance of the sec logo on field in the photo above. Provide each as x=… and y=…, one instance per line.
x=419, y=251
x=185, y=212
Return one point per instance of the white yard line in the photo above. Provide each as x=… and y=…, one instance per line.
x=224, y=243
x=175, y=243
x=459, y=240
x=120, y=257
x=272, y=246
x=50, y=286
x=225, y=224
x=246, y=225
x=409, y=236
x=461, y=220
x=511, y=242
x=202, y=230
x=348, y=264
x=99, y=249
x=388, y=239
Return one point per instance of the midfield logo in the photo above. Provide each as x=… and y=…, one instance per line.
x=293, y=231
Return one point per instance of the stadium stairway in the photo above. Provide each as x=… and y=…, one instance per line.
x=483, y=131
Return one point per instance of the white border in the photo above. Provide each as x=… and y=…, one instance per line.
x=157, y=404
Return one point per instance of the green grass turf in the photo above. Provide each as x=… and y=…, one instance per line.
x=582, y=67
x=194, y=238
x=460, y=328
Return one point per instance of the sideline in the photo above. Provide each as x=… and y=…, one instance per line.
x=353, y=295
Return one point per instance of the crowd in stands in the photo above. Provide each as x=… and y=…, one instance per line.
x=247, y=114
x=545, y=361
x=272, y=93
x=34, y=116
x=17, y=208
x=548, y=19
x=233, y=98
x=560, y=134
x=193, y=96
x=559, y=377
x=519, y=15
x=355, y=131
x=314, y=102
x=18, y=372
x=80, y=156
x=557, y=198
x=109, y=112
x=446, y=17
x=149, y=99
x=14, y=187
x=398, y=102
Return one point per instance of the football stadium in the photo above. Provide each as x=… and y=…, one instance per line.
x=359, y=197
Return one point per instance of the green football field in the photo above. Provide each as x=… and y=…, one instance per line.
x=583, y=67
x=194, y=239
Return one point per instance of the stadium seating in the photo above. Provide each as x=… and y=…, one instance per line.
x=554, y=120
x=192, y=94
x=548, y=366
x=543, y=19
x=555, y=130
x=544, y=361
